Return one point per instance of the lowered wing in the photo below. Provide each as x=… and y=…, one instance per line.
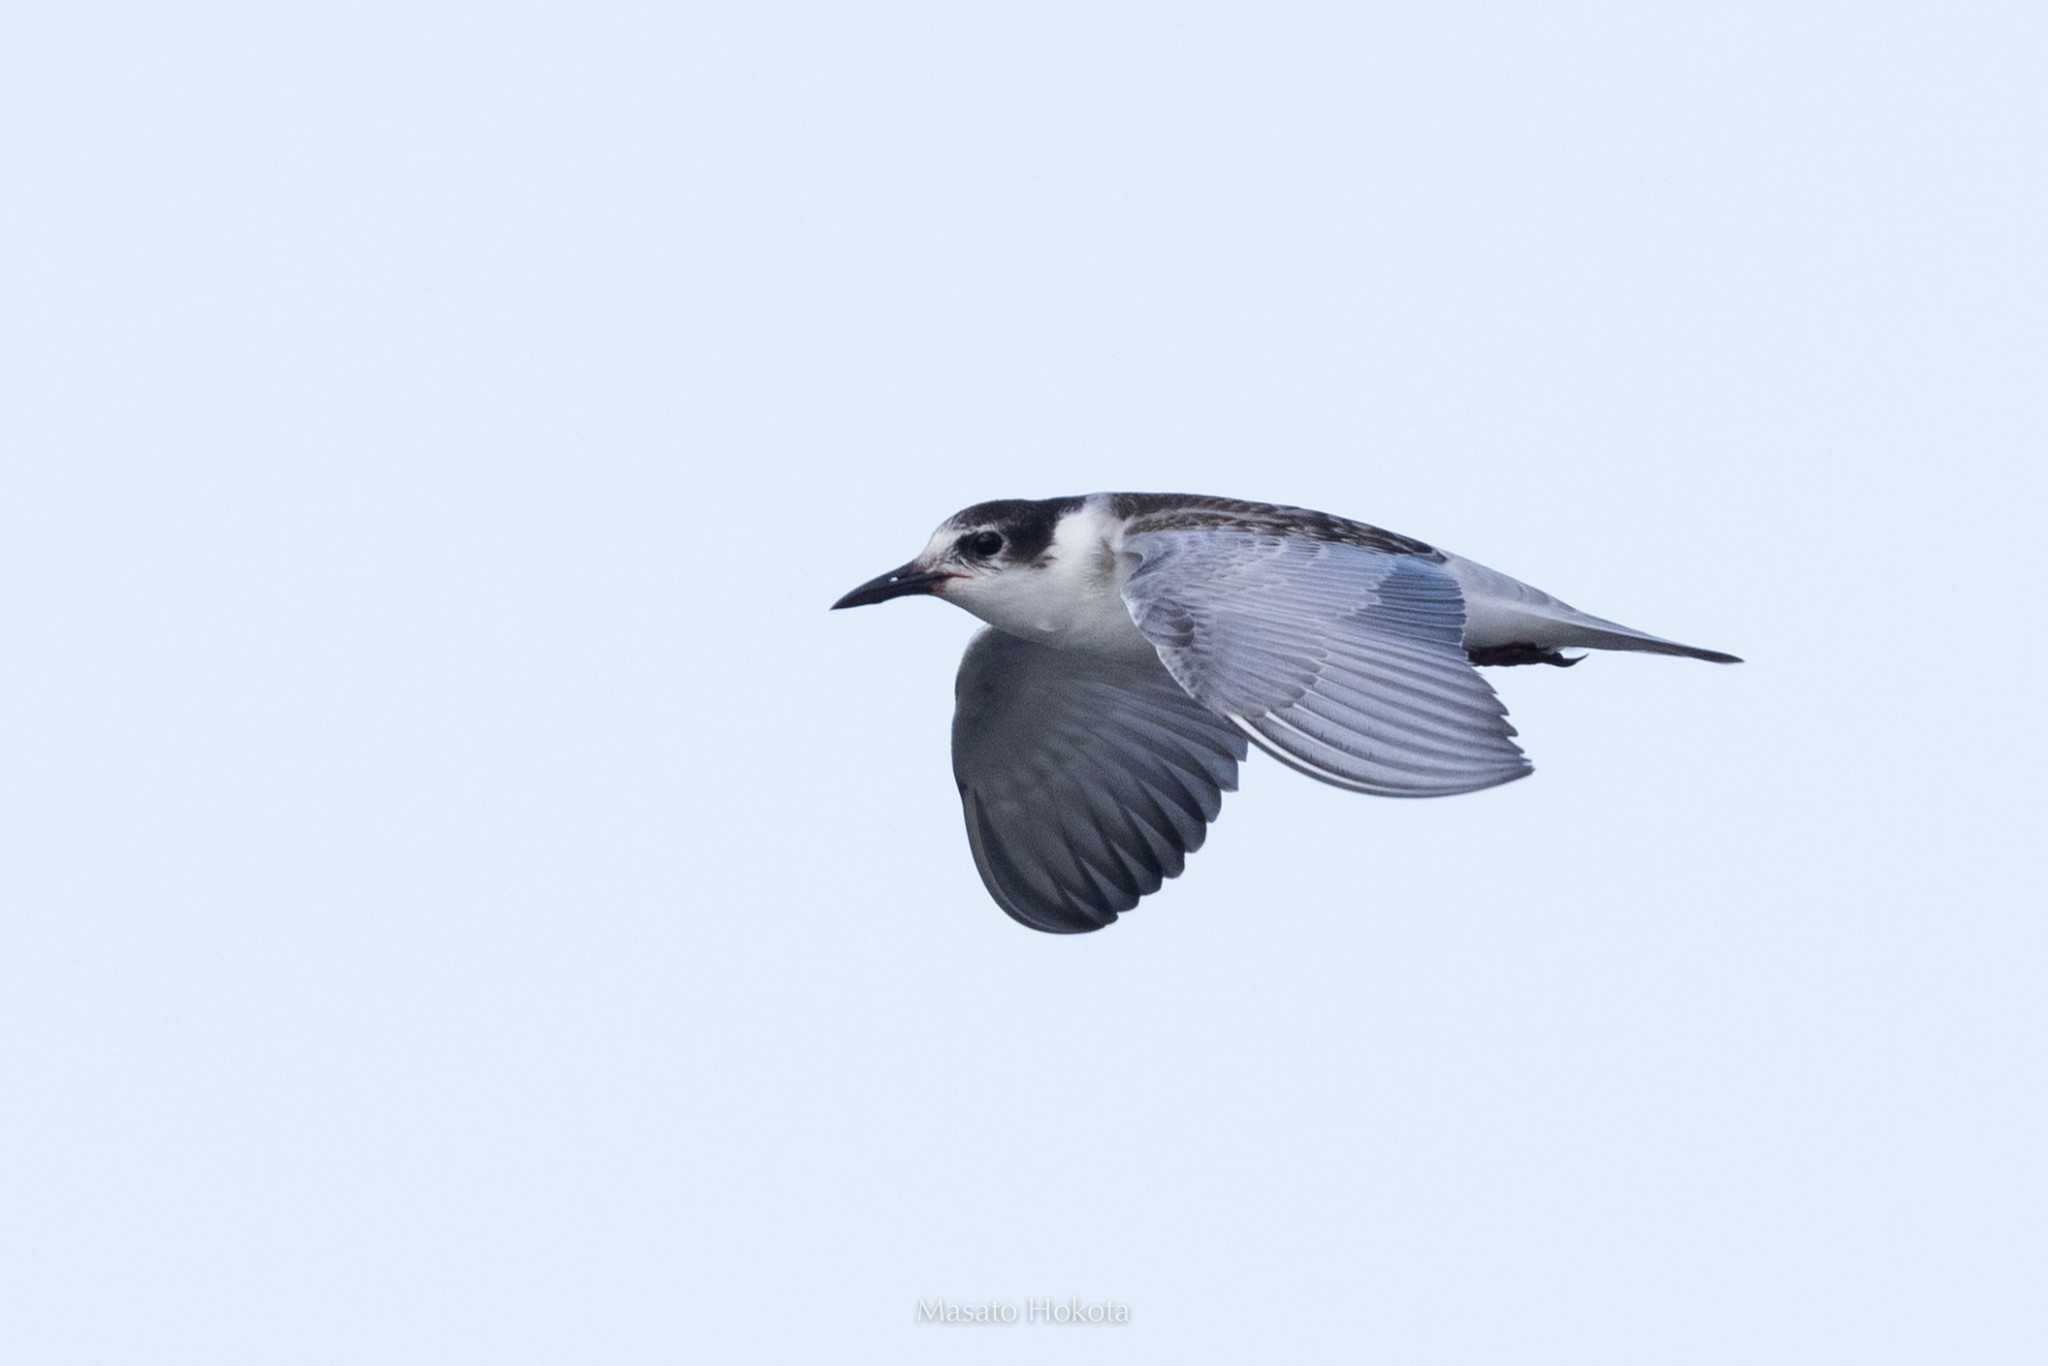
x=1085, y=782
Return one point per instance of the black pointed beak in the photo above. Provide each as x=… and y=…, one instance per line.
x=897, y=583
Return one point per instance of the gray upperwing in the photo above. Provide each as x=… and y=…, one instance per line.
x=1085, y=782
x=1344, y=661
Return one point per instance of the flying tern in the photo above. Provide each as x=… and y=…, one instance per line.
x=1137, y=641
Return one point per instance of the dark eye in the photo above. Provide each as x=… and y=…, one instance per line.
x=981, y=544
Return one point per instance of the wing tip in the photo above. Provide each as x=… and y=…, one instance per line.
x=1471, y=780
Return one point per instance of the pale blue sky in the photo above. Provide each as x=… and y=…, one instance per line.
x=466, y=900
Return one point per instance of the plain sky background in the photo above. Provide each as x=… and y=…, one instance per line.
x=465, y=900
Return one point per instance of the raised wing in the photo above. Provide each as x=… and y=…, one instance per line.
x=1343, y=660
x=1085, y=782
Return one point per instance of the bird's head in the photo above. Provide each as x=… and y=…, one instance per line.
x=991, y=559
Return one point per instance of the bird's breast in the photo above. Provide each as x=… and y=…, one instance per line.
x=1099, y=623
